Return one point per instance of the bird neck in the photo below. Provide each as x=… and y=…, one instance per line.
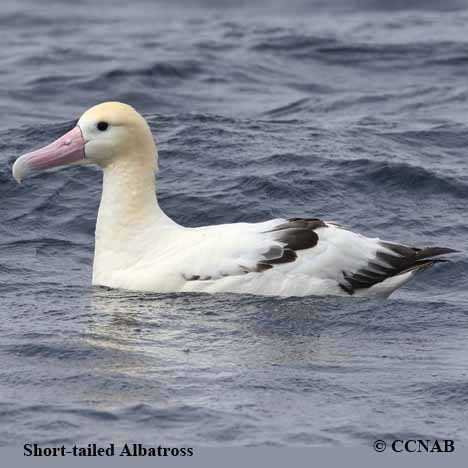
x=129, y=216
x=128, y=195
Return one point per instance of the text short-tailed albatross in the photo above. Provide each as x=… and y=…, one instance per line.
x=138, y=247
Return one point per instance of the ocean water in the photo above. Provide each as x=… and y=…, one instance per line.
x=355, y=112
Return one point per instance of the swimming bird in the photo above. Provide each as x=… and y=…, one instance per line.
x=138, y=247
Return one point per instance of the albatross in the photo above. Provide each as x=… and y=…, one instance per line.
x=139, y=248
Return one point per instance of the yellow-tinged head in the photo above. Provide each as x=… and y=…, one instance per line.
x=109, y=133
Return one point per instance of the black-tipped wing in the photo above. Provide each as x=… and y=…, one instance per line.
x=302, y=249
x=391, y=260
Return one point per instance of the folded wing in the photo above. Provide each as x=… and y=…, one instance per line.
x=303, y=247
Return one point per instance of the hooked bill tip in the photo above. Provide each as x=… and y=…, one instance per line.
x=19, y=170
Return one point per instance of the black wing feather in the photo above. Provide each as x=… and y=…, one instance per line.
x=385, y=265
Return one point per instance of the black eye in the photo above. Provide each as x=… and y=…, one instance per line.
x=102, y=126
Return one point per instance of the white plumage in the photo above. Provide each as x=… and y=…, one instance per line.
x=224, y=258
x=139, y=248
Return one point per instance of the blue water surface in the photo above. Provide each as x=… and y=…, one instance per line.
x=356, y=112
